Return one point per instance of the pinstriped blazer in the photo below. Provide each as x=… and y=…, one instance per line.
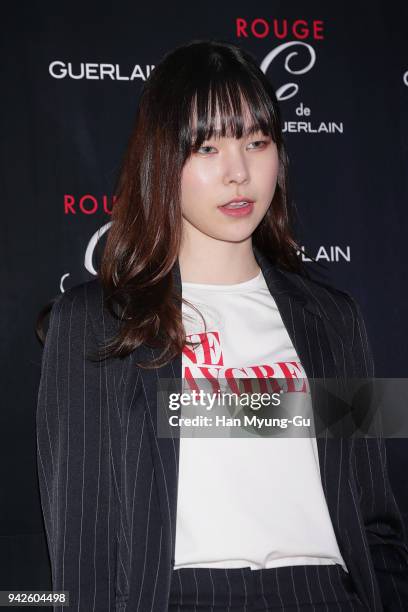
x=108, y=482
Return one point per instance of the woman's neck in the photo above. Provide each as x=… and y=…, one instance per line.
x=217, y=262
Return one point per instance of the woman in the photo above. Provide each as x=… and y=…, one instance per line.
x=136, y=520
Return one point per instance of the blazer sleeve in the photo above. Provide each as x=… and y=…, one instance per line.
x=74, y=459
x=383, y=521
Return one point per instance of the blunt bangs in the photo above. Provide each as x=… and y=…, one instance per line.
x=226, y=109
x=222, y=97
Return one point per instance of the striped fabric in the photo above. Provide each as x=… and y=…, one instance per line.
x=108, y=482
x=296, y=587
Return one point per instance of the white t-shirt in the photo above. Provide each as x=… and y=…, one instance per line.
x=247, y=501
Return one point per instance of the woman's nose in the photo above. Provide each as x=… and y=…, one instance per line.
x=236, y=169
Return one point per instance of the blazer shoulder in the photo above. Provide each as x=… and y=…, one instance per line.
x=87, y=292
x=330, y=294
x=87, y=301
x=345, y=315
x=337, y=305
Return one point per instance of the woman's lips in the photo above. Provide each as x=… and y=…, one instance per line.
x=241, y=211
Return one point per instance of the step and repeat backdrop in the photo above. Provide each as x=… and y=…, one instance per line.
x=70, y=86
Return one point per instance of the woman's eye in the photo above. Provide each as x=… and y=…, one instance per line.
x=262, y=143
x=205, y=147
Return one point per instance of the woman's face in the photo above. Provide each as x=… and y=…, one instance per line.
x=224, y=169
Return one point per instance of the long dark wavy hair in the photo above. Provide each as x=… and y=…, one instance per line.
x=206, y=79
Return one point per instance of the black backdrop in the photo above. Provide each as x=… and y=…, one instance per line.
x=70, y=84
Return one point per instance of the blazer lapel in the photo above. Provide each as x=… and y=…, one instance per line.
x=320, y=350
